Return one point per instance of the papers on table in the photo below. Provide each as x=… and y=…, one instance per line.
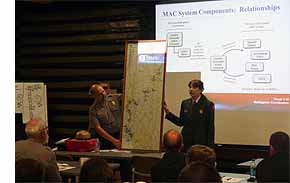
x=64, y=166
x=231, y=179
x=114, y=150
x=234, y=177
x=61, y=141
x=248, y=163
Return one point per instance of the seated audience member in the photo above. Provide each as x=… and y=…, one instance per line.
x=275, y=168
x=168, y=168
x=34, y=148
x=197, y=172
x=201, y=153
x=29, y=170
x=96, y=170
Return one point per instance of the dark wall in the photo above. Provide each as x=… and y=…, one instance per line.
x=69, y=46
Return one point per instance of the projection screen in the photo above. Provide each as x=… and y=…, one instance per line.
x=241, y=48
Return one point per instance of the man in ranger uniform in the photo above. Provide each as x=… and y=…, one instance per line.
x=105, y=117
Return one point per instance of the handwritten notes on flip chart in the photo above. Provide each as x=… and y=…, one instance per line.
x=31, y=101
x=19, y=98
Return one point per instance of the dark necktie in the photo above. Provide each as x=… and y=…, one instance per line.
x=194, y=105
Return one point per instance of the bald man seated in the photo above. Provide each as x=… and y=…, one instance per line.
x=168, y=168
x=35, y=148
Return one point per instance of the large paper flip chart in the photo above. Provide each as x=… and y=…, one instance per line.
x=143, y=95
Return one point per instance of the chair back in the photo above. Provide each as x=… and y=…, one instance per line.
x=141, y=167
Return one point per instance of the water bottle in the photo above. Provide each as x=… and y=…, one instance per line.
x=253, y=168
x=252, y=171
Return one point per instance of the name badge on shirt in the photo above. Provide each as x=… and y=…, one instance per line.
x=113, y=103
x=185, y=110
x=200, y=111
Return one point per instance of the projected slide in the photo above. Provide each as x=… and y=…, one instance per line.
x=240, y=47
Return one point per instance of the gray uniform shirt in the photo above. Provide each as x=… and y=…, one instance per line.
x=29, y=149
x=107, y=115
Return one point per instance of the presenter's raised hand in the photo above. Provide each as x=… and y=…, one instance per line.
x=165, y=107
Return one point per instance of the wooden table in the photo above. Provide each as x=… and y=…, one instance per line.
x=112, y=155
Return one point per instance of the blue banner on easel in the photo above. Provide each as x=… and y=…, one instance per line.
x=156, y=58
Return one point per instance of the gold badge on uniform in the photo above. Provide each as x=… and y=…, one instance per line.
x=113, y=102
x=200, y=111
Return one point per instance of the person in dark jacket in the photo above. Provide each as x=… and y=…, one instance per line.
x=168, y=168
x=275, y=168
x=196, y=117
